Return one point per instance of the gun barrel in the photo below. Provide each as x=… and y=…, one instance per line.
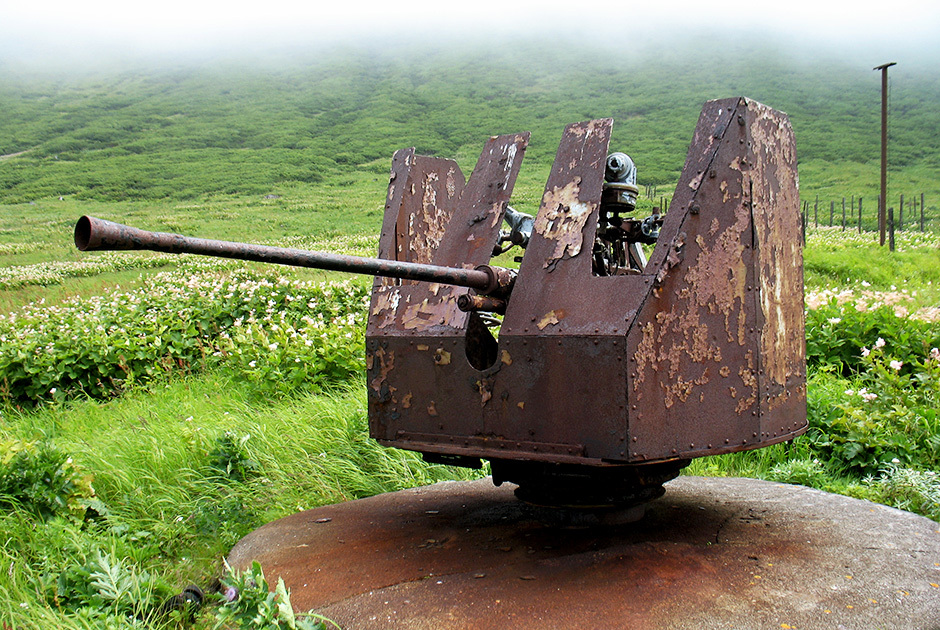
x=93, y=234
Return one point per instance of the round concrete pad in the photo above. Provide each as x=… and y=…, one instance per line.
x=712, y=553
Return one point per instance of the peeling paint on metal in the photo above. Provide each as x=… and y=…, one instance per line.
x=780, y=257
x=485, y=387
x=426, y=314
x=718, y=279
x=441, y=357
x=505, y=358
x=426, y=229
x=749, y=378
x=386, y=365
x=562, y=220
x=384, y=305
x=451, y=183
x=550, y=319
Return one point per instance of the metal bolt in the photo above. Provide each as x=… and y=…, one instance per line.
x=694, y=209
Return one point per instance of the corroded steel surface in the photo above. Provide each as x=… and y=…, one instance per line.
x=93, y=234
x=713, y=553
x=702, y=352
x=717, y=354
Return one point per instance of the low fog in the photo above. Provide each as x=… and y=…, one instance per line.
x=63, y=34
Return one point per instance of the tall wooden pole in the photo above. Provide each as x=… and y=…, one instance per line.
x=884, y=148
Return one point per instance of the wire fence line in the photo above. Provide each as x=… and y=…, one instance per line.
x=909, y=213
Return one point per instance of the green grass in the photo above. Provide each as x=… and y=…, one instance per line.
x=168, y=510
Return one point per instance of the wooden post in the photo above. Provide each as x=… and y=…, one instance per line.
x=803, y=224
x=901, y=214
x=859, y=215
x=816, y=212
x=832, y=211
x=882, y=220
x=843, y=214
x=921, y=212
x=891, y=229
x=883, y=198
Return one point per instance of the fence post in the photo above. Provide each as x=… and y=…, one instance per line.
x=901, y=215
x=832, y=211
x=803, y=219
x=891, y=229
x=816, y=212
x=859, y=215
x=921, y=212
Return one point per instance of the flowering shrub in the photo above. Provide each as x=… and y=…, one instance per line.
x=889, y=416
x=47, y=273
x=279, y=334
x=840, y=323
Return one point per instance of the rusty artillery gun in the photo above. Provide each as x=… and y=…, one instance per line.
x=609, y=372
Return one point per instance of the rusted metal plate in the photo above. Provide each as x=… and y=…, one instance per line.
x=435, y=197
x=465, y=411
x=712, y=553
x=556, y=293
x=430, y=196
x=771, y=169
x=729, y=303
x=700, y=353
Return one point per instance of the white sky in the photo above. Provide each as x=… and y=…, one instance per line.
x=68, y=27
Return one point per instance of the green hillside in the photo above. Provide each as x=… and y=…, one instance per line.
x=255, y=127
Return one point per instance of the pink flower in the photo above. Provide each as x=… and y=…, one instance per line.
x=896, y=365
x=880, y=343
x=865, y=352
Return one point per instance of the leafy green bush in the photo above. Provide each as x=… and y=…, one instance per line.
x=230, y=459
x=805, y=472
x=888, y=413
x=43, y=480
x=279, y=334
x=108, y=587
x=839, y=324
x=249, y=604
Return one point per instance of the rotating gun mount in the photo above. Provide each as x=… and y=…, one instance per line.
x=609, y=372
